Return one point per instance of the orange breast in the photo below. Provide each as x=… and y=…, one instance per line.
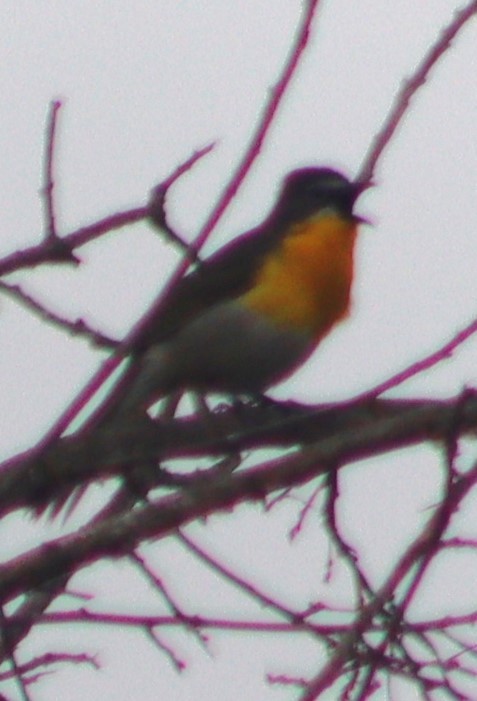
x=306, y=284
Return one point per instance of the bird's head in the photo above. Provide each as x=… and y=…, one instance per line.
x=307, y=191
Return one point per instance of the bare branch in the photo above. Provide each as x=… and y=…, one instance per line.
x=418, y=555
x=82, y=616
x=53, y=251
x=331, y=437
x=443, y=353
x=295, y=617
x=74, y=328
x=264, y=122
x=47, y=191
x=363, y=588
x=49, y=659
x=157, y=212
x=410, y=87
x=118, y=535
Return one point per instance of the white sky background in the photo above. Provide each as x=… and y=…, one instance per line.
x=144, y=84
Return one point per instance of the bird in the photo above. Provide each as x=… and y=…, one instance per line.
x=245, y=318
x=249, y=315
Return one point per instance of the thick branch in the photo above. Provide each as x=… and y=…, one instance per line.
x=389, y=425
x=338, y=434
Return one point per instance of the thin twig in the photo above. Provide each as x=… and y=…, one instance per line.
x=410, y=87
x=417, y=557
x=74, y=328
x=57, y=250
x=304, y=511
x=157, y=212
x=264, y=123
x=347, y=552
x=159, y=585
x=51, y=658
x=443, y=353
x=176, y=661
x=295, y=617
x=48, y=188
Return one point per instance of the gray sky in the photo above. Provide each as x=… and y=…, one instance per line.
x=144, y=84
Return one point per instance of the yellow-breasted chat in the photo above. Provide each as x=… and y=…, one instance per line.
x=255, y=310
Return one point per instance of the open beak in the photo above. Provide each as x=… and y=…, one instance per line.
x=359, y=187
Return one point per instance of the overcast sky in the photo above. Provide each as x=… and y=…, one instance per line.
x=146, y=83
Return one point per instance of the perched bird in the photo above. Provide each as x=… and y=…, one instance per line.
x=246, y=317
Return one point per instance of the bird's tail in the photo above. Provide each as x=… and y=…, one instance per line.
x=128, y=399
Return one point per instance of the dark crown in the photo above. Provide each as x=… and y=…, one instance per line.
x=309, y=190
